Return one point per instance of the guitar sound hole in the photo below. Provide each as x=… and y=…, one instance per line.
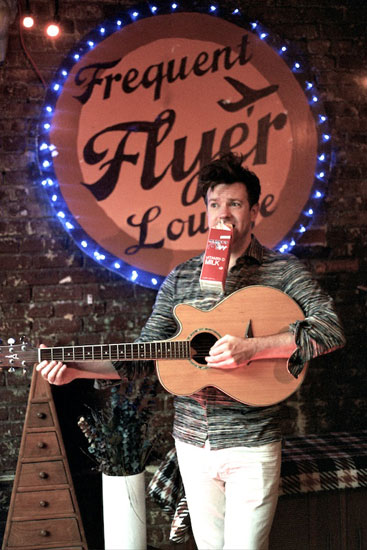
x=200, y=346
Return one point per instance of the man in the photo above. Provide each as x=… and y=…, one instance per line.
x=229, y=453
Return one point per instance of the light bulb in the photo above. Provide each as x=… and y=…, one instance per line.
x=53, y=30
x=28, y=21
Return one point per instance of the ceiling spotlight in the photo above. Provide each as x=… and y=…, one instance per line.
x=53, y=28
x=28, y=19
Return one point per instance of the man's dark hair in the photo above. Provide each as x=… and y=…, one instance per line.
x=228, y=169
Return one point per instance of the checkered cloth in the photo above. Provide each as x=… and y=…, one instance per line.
x=309, y=463
x=324, y=462
x=166, y=489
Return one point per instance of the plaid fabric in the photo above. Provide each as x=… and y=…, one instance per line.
x=324, y=462
x=309, y=463
x=166, y=489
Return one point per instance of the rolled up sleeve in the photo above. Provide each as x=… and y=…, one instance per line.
x=321, y=330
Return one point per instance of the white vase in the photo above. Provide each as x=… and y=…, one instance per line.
x=124, y=515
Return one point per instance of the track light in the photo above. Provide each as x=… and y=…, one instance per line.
x=27, y=19
x=53, y=28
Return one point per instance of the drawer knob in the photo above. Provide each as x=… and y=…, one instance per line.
x=43, y=475
x=41, y=445
x=44, y=533
x=41, y=415
x=43, y=503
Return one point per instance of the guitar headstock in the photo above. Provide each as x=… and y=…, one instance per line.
x=17, y=356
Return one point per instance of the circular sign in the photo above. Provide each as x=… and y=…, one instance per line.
x=135, y=114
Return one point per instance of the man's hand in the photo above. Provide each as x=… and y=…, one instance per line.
x=231, y=352
x=58, y=373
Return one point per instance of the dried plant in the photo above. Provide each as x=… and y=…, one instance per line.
x=120, y=435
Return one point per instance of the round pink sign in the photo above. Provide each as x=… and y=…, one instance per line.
x=141, y=112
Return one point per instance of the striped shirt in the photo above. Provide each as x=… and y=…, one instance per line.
x=209, y=413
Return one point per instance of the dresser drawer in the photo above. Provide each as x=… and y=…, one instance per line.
x=42, y=474
x=42, y=504
x=39, y=416
x=44, y=532
x=41, y=444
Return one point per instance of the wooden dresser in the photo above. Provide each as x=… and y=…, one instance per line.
x=43, y=512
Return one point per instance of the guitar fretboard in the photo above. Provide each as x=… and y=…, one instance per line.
x=179, y=349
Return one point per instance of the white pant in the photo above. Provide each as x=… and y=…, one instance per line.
x=231, y=494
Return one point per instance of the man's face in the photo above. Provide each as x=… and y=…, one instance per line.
x=229, y=203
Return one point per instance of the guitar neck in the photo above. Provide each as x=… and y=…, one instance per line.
x=118, y=352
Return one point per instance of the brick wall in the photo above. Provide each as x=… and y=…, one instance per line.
x=45, y=280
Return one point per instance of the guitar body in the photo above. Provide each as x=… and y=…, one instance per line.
x=260, y=383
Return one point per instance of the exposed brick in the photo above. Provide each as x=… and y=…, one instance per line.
x=9, y=294
x=319, y=47
x=59, y=259
x=314, y=237
x=9, y=245
x=14, y=143
x=12, y=262
x=332, y=266
x=15, y=428
x=65, y=324
x=17, y=414
x=71, y=308
x=52, y=293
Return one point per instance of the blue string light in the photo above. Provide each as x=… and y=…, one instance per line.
x=47, y=152
x=324, y=155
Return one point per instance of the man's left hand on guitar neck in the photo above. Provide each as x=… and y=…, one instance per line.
x=59, y=373
x=230, y=352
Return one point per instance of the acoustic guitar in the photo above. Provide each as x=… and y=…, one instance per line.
x=180, y=361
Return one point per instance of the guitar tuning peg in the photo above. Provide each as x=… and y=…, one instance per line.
x=24, y=371
x=11, y=341
x=12, y=369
